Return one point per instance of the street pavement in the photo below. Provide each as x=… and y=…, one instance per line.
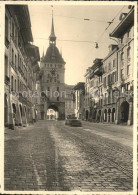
x=50, y=156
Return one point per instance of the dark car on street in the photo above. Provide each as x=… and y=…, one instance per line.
x=73, y=122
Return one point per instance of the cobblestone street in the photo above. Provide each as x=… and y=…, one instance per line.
x=53, y=157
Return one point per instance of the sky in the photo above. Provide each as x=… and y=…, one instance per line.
x=70, y=25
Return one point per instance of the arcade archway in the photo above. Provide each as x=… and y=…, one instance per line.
x=113, y=115
x=124, y=108
x=5, y=110
x=105, y=115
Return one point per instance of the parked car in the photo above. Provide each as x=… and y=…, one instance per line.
x=73, y=122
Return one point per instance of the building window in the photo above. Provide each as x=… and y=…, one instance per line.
x=128, y=69
x=122, y=56
x=57, y=76
x=122, y=74
x=11, y=83
x=105, y=69
x=12, y=30
x=128, y=52
x=18, y=85
x=57, y=98
x=15, y=61
x=105, y=82
x=122, y=89
x=15, y=84
x=128, y=87
x=6, y=66
x=6, y=27
x=55, y=80
x=114, y=63
x=57, y=88
x=109, y=66
x=12, y=57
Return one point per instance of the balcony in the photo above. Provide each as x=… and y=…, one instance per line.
x=98, y=71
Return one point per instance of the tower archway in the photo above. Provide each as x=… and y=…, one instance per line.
x=52, y=112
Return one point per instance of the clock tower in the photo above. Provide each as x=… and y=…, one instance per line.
x=52, y=79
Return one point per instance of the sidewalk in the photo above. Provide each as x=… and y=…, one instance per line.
x=109, y=124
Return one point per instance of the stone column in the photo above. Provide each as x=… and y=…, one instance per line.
x=11, y=120
x=117, y=119
x=130, y=114
x=24, y=120
x=18, y=115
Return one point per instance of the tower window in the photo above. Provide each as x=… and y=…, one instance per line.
x=51, y=65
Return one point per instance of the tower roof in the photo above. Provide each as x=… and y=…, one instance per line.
x=52, y=35
x=53, y=55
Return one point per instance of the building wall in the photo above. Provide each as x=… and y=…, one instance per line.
x=116, y=85
x=19, y=75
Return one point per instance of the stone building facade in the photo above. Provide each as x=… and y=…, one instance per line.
x=93, y=91
x=21, y=67
x=124, y=33
x=111, y=79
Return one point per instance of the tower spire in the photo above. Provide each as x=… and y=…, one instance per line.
x=52, y=36
x=43, y=53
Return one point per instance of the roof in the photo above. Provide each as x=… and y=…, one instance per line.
x=52, y=36
x=80, y=85
x=53, y=55
x=125, y=24
x=97, y=63
x=23, y=17
x=33, y=51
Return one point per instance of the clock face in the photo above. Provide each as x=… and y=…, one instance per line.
x=53, y=72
